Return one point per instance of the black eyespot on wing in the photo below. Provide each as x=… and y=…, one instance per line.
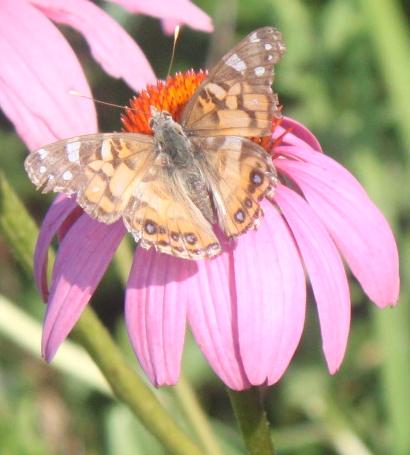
x=239, y=216
x=150, y=227
x=256, y=178
x=191, y=238
x=175, y=236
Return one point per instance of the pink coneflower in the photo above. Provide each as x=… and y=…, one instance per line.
x=246, y=307
x=39, y=68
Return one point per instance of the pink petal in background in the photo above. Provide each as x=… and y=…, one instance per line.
x=172, y=14
x=82, y=258
x=357, y=226
x=271, y=298
x=110, y=44
x=38, y=69
x=155, y=312
x=326, y=272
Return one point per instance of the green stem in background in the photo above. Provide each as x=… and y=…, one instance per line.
x=128, y=387
x=17, y=227
x=20, y=232
x=252, y=420
x=196, y=417
x=388, y=29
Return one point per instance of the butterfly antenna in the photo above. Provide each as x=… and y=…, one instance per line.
x=80, y=95
x=176, y=34
x=174, y=44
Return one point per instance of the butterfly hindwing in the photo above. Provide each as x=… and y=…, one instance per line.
x=161, y=214
x=241, y=174
x=236, y=98
x=102, y=169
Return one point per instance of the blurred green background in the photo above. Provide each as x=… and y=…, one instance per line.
x=346, y=75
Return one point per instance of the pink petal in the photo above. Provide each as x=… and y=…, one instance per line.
x=212, y=315
x=271, y=298
x=326, y=273
x=155, y=313
x=38, y=70
x=358, y=228
x=82, y=258
x=110, y=44
x=296, y=134
x=56, y=215
x=179, y=12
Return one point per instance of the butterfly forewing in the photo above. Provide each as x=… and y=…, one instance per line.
x=236, y=98
x=102, y=169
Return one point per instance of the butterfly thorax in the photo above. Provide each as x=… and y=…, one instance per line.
x=172, y=145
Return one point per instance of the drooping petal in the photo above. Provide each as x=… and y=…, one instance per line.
x=294, y=133
x=357, y=226
x=38, y=69
x=212, y=315
x=271, y=296
x=56, y=215
x=326, y=273
x=155, y=313
x=179, y=12
x=81, y=261
x=110, y=44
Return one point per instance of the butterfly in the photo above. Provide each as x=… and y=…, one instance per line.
x=172, y=187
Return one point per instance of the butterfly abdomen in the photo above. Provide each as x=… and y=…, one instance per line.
x=171, y=141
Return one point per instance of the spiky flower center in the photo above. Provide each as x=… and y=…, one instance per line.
x=170, y=95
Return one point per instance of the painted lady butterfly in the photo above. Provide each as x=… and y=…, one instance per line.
x=171, y=187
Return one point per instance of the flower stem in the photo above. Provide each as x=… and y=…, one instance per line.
x=128, y=387
x=252, y=420
x=196, y=417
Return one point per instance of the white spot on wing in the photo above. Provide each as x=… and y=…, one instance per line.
x=268, y=46
x=42, y=169
x=259, y=70
x=254, y=38
x=73, y=151
x=106, y=150
x=42, y=153
x=67, y=175
x=235, y=62
x=270, y=57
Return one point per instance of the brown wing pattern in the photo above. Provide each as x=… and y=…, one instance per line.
x=160, y=214
x=101, y=168
x=241, y=173
x=236, y=98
